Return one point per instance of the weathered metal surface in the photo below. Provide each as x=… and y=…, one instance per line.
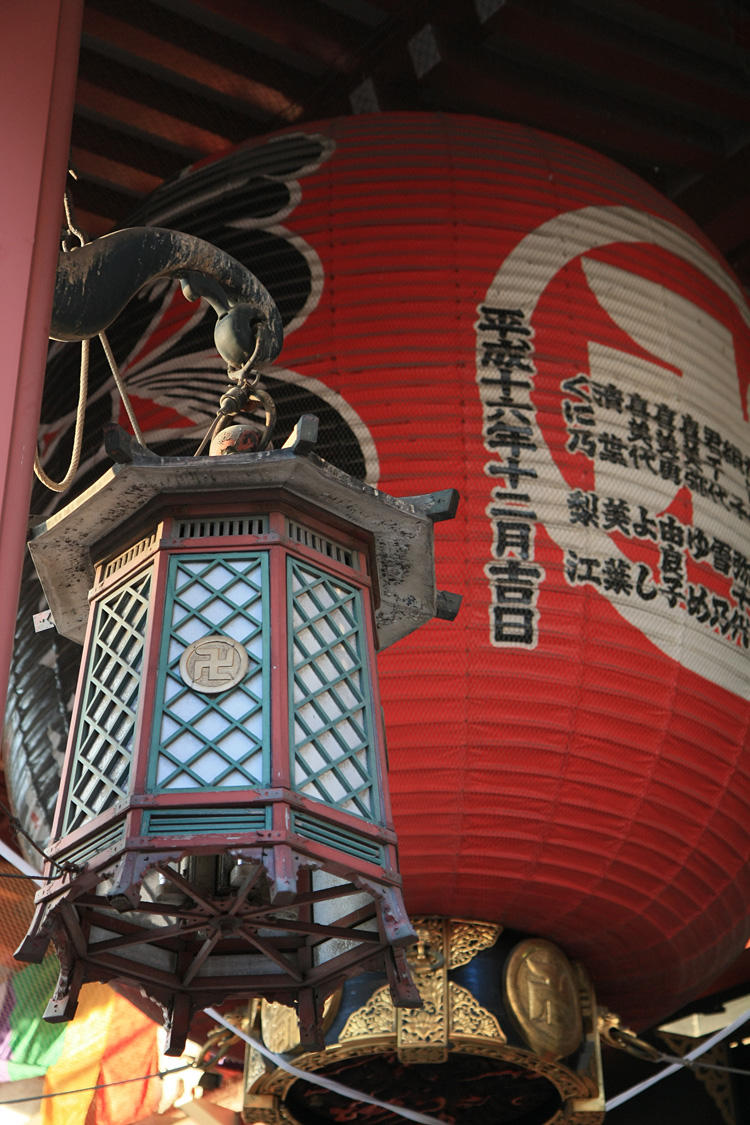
x=95, y=282
x=60, y=547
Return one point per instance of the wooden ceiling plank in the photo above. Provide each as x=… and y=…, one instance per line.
x=385, y=62
x=652, y=133
x=722, y=22
x=105, y=200
x=463, y=86
x=93, y=131
x=228, y=52
x=654, y=28
x=583, y=48
x=94, y=165
x=231, y=123
x=158, y=127
x=178, y=89
x=299, y=34
x=363, y=10
x=624, y=108
x=151, y=50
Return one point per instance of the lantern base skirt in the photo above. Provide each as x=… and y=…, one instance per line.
x=198, y=930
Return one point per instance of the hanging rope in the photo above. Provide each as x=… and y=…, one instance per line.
x=244, y=387
x=75, y=457
x=101, y=1085
x=121, y=388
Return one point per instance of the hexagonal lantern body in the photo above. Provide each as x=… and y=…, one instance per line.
x=223, y=828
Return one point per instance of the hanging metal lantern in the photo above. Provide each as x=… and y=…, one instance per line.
x=223, y=828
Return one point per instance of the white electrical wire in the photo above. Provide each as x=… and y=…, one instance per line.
x=18, y=861
x=626, y=1095
x=318, y=1079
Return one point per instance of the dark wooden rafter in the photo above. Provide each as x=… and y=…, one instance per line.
x=660, y=85
x=591, y=56
x=162, y=41
x=305, y=35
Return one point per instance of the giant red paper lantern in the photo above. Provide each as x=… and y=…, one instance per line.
x=476, y=304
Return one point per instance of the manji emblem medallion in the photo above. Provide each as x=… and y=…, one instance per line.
x=214, y=664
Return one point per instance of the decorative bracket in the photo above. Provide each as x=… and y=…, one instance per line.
x=95, y=282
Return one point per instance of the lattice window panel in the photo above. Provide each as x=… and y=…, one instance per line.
x=332, y=740
x=213, y=741
x=104, y=743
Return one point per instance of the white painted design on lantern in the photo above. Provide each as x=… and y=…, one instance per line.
x=708, y=638
x=337, y=402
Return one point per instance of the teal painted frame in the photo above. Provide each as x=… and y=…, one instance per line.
x=213, y=702
x=139, y=584
x=363, y=666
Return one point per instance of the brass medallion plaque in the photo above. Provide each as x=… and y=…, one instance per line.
x=542, y=994
x=213, y=664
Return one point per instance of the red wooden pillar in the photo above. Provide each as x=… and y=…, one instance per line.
x=38, y=63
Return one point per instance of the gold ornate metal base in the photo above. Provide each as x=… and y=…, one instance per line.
x=489, y=997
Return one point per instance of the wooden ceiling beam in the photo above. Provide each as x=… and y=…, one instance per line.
x=385, y=61
x=231, y=44
x=150, y=53
x=107, y=202
x=586, y=51
x=93, y=165
x=708, y=48
x=300, y=33
x=722, y=187
x=95, y=133
x=464, y=82
x=153, y=104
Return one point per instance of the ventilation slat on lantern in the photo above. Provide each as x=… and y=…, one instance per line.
x=134, y=552
x=320, y=543
x=184, y=823
x=109, y=837
x=218, y=528
x=310, y=828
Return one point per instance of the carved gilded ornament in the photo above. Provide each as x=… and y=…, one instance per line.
x=468, y=1017
x=453, y=1022
x=279, y=1026
x=376, y=1017
x=266, y=1100
x=466, y=939
x=422, y=1033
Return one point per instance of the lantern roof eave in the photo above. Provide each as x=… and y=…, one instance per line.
x=402, y=529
